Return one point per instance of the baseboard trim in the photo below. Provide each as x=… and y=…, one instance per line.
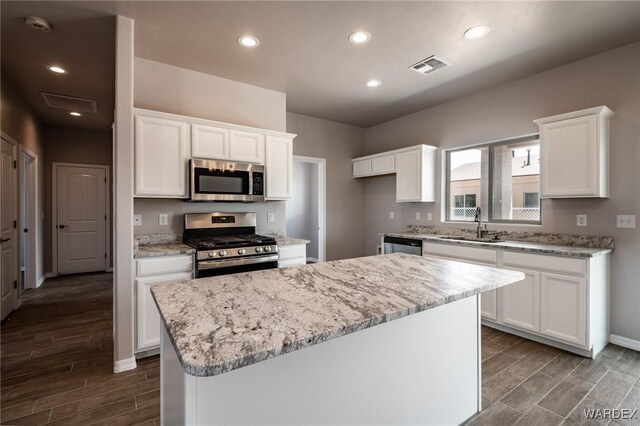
x=312, y=259
x=124, y=365
x=625, y=342
x=43, y=278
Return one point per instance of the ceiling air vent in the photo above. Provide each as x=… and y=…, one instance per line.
x=69, y=102
x=429, y=65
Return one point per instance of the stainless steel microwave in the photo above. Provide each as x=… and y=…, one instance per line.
x=213, y=180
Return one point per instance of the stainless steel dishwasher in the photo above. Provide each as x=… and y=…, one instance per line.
x=402, y=245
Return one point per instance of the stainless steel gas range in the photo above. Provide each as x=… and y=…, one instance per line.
x=226, y=243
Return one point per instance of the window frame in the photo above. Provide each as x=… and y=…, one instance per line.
x=488, y=216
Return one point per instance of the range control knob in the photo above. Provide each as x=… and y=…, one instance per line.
x=267, y=249
x=222, y=252
x=258, y=249
x=241, y=251
x=212, y=254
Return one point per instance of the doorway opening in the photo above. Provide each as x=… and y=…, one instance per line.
x=28, y=229
x=306, y=211
x=10, y=294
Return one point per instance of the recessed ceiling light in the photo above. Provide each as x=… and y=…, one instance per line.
x=248, y=41
x=477, y=32
x=75, y=114
x=359, y=37
x=373, y=83
x=57, y=69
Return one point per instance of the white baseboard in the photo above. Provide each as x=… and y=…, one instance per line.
x=43, y=278
x=625, y=342
x=124, y=365
x=312, y=259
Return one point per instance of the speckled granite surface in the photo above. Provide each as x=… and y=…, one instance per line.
x=154, y=250
x=287, y=241
x=219, y=324
x=532, y=242
x=153, y=239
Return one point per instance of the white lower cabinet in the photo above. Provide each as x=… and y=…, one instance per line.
x=562, y=301
x=519, y=302
x=563, y=308
x=292, y=255
x=148, y=325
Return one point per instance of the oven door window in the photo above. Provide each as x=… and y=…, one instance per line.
x=221, y=182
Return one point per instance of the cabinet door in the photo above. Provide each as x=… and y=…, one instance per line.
x=161, y=157
x=209, y=142
x=383, y=164
x=408, y=176
x=563, y=308
x=520, y=302
x=247, y=147
x=569, y=157
x=489, y=305
x=362, y=168
x=147, y=316
x=278, y=168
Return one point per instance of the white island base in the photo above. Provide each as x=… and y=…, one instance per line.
x=419, y=369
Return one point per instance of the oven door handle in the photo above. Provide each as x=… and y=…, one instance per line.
x=214, y=264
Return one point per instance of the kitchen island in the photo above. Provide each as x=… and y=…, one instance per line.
x=392, y=339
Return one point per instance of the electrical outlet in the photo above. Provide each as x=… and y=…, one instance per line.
x=163, y=219
x=417, y=215
x=581, y=220
x=270, y=217
x=392, y=215
x=137, y=220
x=429, y=216
x=626, y=221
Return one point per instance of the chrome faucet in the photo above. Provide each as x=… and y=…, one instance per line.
x=478, y=219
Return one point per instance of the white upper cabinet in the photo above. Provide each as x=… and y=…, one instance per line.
x=575, y=154
x=161, y=157
x=416, y=175
x=209, y=142
x=415, y=169
x=246, y=147
x=278, y=168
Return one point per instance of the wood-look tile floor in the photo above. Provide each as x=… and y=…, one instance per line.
x=528, y=383
x=56, y=357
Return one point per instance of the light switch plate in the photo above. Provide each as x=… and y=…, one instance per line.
x=270, y=217
x=417, y=215
x=581, y=220
x=626, y=221
x=429, y=216
x=163, y=219
x=392, y=215
x=137, y=220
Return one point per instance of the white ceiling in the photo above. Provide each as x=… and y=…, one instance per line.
x=305, y=52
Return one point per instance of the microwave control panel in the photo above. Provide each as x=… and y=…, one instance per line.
x=258, y=183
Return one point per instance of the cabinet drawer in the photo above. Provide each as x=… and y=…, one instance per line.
x=459, y=252
x=292, y=252
x=164, y=265
x=546, y=263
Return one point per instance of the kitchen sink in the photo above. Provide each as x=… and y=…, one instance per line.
x=479, y=240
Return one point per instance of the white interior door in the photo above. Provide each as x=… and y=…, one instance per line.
x=81, y=219
x=8, y=236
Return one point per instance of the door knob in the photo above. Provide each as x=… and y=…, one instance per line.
x=4, y=240
x=62, y=226
x=25, y=230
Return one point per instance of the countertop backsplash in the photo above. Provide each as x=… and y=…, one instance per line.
x=588, y=241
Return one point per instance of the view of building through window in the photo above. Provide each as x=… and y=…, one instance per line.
x=508, y=173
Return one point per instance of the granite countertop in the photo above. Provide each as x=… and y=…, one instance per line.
x=287, y=241
x=167, y=249
x=219, y=324
x=522, y=246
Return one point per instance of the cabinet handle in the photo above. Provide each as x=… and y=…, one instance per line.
x=4, y=240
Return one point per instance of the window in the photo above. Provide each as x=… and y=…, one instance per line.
x=502, y=178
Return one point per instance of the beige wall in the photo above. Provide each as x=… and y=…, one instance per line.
x=18, y=121
x=338, y=143
x=73, y=145
x=505, y=111
x=168, y=88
